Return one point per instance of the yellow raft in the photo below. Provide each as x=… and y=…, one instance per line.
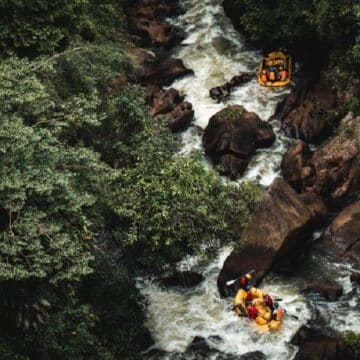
x=265, y=321
x=276, y=59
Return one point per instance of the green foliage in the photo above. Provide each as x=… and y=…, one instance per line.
x=315, y=31
x=39, y=26
x=352, y=340
x=354, y=106
x=69, y=336
x=6, y=353
x=47, y=190
x=31, y=28
x=172, y=206
x=111, y=292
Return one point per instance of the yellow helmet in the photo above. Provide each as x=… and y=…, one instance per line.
x=248, y=276
x=264, y=293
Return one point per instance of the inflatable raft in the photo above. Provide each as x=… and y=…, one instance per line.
x=275, y=70
x=266, y=319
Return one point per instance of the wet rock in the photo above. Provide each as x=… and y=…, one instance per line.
x=157, y=9
x=309, y=111
x=150, y=92
x=314, y=345
x=232, y=136
x=275, y=234
x=180, y=118
x=316, y=206
x=165, y=101
x=200, y=349
x=343, y=235
x=154, y=354
x=199, y=343
x=156, y=32
x=220, y=93
x=326, y=288
x=295, y=164
x=145, y=19
x=355, y=278
x=233, y=11
x=183, y=278
x=333, y=170
x=156, y=70
x=254, y=355
x=337, y=163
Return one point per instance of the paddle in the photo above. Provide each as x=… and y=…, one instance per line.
x=230, y=282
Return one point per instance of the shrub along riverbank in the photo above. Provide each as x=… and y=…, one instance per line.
x=91, y=193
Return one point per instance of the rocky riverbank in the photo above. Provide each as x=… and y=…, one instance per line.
x=156, y=69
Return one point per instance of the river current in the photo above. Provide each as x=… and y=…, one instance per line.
x=216, y=52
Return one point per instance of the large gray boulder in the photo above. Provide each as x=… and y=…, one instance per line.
x=277, y=231
x=332, y=170
x=342, y=238
x=232, y=136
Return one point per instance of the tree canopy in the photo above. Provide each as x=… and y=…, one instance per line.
x=92, y=192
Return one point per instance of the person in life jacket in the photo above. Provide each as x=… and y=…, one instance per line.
x=272, y=74
x=263, y=76
x=245, y=282
x=278, y=313
x=283, y=74
x=268, y=300
x=252, y=312
x=249, y=298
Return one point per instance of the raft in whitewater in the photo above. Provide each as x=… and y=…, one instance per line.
x=266, y=319
x=275, y=70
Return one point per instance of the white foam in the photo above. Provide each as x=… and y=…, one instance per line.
x=176, y=317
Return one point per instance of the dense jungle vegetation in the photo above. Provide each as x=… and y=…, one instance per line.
x=91, y=191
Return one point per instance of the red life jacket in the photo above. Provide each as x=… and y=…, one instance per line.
x=243, y=281
x=252, y=312
x=269, y=301
x=249, y=297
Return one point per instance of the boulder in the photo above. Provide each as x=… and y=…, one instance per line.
x=181, y=117
x=316, y=206
x=333, y=170
x=336, y=164
x=200, y=349
x=183, y=278
x=328, y=289
x=145, y=20
x=222, y=92
x=355, y=278
x=150, y=92
x=232, y=136
x=278, y=229
x=309, y=112
x=156, y=32
x=156, y=70
x=254, y=355
x=154, y=354
x=343, y=234
x=314, y=345
x=157, y=9
x=295, y=164
x=165, y=101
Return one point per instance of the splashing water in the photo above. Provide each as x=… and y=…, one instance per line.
x=216, y=52
x=177, y=316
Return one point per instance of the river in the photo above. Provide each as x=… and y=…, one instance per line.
x=216, y=52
